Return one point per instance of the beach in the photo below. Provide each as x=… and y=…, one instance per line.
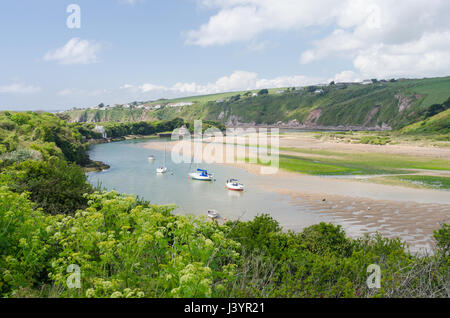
x=360, y=206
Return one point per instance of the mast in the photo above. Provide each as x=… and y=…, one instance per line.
x=164, y=154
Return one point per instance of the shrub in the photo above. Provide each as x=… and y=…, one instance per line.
x=56, y=186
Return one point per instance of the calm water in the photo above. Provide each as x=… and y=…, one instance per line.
x=131, y=172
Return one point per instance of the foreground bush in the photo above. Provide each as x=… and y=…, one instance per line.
x=128, y=248
x=55, y=185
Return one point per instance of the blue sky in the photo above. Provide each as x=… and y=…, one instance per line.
x=130, y=50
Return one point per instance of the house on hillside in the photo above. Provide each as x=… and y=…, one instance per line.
x=318, y=91
x=280, y=91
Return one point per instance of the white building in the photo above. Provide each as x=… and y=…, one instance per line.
x=181, y=104
x=101, y=130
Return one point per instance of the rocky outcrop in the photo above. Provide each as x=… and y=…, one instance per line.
x=371, y=115
x=404, y=102
x=313, y=117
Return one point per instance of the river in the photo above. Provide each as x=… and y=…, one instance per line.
x=131, y=172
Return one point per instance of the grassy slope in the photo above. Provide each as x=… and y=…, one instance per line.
x=439, y=123
x=351, y=106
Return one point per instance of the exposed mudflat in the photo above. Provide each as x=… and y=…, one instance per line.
x=361, y=207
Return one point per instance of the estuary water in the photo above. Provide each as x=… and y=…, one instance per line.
x=131, y=172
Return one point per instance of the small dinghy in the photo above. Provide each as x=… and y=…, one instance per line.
x=151, y=158
x=161, y=170
x=234, y=185
x=201, y=175
x=213, y=214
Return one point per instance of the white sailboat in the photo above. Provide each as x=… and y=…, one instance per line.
x=201, y=175
x=163, y=169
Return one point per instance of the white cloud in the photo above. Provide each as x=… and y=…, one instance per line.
x=242, y=20
x=382, y=38
x=76, y=51
x=426, y=57
x=237, y=81
x=19, y=88
x=82, y=92
x=126, y=86
x=346, y=77
x=150, y=87
x=131, y=2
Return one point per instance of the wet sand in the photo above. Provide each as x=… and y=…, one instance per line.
x=360, y=207
x=308, y=141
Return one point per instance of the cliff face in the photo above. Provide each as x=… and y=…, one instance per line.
x=380, y=106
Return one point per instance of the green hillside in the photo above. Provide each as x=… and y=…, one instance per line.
x=439, y=123
x=381, y=105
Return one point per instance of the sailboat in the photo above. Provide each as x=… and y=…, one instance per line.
x=163, y=169
x=201, y=175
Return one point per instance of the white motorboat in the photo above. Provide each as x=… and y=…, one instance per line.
x=201, y=175
x=234, y=185
x=213, y=214
x=151, y=158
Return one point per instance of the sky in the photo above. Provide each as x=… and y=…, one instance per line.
x=57, y=54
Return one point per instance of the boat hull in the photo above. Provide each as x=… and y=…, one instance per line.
x=195, y=176
x=238, y=190
x=234, y=186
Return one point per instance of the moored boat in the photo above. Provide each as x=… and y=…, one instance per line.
x=201, y=175
x=161, y=170
x=234, y=185
x=213, y=214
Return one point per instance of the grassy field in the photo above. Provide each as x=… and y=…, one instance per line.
x=434, y=138
x=201, y=99
x=373, y=161
x=416, y=181
x=332, y=161
x=338, y=163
